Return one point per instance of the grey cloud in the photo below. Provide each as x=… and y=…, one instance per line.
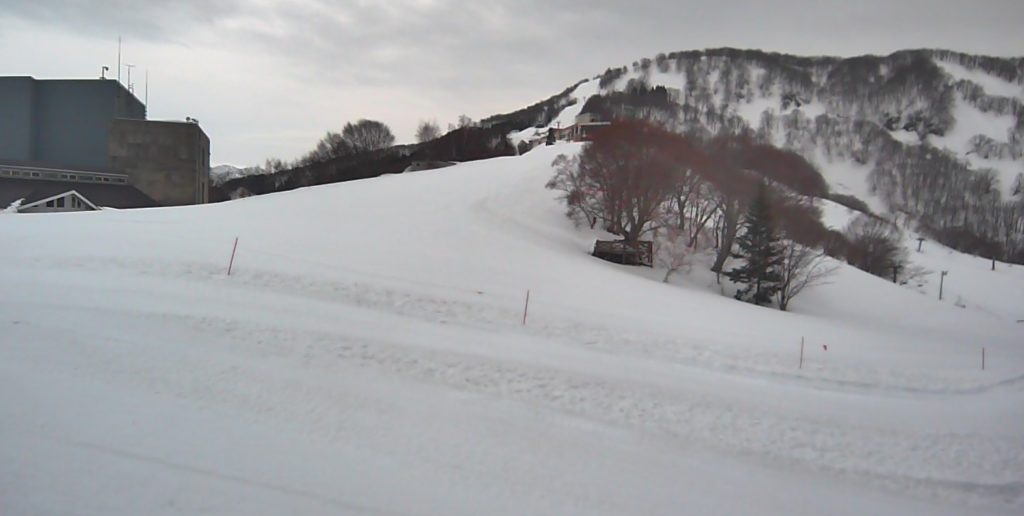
x=451, y=43
x=486, y=56
x=139, y=19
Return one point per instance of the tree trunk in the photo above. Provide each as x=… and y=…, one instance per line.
x=730, y=223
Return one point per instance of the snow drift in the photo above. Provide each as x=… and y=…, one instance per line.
x=367, y=356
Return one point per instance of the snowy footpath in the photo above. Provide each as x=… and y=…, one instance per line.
x=367, y=356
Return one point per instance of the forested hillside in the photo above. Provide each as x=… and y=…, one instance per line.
x=932, y=139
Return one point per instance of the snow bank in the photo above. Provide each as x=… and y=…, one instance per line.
x=368, y=355
x=12, y=208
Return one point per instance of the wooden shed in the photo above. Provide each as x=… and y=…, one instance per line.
x=627, y=253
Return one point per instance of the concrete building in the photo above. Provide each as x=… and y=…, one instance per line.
x=97, y=126
x=169, y=161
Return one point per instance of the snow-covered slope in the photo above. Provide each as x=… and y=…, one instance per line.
x=367, y=356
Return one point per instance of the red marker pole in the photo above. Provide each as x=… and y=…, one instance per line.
x=232, y=262
x=526, y=307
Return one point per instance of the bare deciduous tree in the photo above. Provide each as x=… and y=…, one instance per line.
x=802, y=267
x=274, y=165
x=427, y=130
x=875, y=246
x=333, y=145
x=580, y=194
x=624, y=176
x=671, y=251
x=368, y=135
x=733, y=187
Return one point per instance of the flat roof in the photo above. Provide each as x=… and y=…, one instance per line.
x=42, y=165
x=180, y=123
x=124, y=89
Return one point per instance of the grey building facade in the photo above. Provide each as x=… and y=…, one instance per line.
x=97, y=125
x=62, y=122
x=169, y=161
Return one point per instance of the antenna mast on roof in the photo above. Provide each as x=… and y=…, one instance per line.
x=131, y=87
x=147, y=89
x=119, y=59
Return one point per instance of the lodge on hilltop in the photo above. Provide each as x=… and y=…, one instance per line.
x=581, y=130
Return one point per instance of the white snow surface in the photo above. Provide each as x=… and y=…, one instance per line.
x=368, y=356
x=850, y=178
x=835, y=215
x=992, y=85
x=970, y=121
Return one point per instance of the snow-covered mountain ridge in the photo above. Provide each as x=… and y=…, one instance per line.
x=936, y=137
x=221, y=174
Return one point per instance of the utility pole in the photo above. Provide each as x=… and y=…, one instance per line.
x=942, y=280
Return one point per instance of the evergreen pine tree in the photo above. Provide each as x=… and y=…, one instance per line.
x=761, y=252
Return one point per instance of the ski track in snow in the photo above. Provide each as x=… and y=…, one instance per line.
x=938, y=465
x=480, y=314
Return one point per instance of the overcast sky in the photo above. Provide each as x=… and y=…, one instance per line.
x=268, y=78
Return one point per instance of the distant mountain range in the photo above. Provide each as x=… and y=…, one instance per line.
x=224, y=173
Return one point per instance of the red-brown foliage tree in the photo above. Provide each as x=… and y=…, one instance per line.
x=624, y=176
x=785, y=167
x=734, y=186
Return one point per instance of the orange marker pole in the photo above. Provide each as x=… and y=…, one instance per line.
x=232, y=262
x=526, y=307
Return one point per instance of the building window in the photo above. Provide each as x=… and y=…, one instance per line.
x=49, y=204
x=35, y=174
x=60, y=202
